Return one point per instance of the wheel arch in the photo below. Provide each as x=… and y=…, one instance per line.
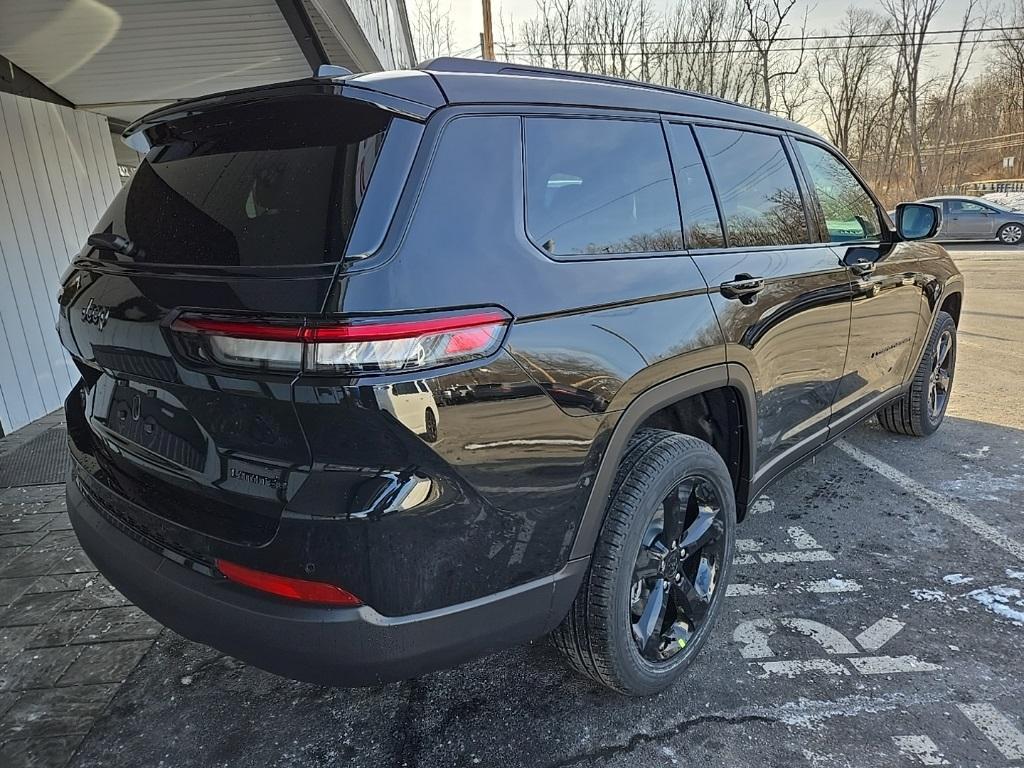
x=729, y=376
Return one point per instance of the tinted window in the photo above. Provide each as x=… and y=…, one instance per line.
x=701, y=224
x=760, y=200
x=850, y=213
x=599, y=186
x=264, y=185
x=966, y=206
x=405, y=388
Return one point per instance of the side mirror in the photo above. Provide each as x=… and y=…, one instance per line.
x=916, y=221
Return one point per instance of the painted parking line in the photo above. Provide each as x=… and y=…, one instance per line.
x=807, y=550
x=997, y=728
x=807, y=556
x=921, y=749
x=887, y=665
x=820, y=586
x=879, y=633
x=754, y=637
x=937, y=501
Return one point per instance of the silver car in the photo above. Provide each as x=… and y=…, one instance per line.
x=967, y=218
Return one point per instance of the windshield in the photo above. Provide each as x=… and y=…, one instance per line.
x=266, y=185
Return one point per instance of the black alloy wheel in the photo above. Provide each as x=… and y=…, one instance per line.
x=660, y=567
x=676, y=573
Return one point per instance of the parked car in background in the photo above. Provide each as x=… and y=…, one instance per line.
x=970, y=218
x=639, y=307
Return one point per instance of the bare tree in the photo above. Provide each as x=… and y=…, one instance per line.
x=433, y=29
x=944, y=127
x=1009, y=48
x=699, y=55
x=845, y=69
x=910, y=20
x=775, y=62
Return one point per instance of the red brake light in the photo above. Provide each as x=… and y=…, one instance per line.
x=284, y=586
x=349, y=346
x=239, y=329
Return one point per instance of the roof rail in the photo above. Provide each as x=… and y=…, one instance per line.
x=487, y=67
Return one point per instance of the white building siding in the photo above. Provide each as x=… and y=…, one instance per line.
x=57, y=175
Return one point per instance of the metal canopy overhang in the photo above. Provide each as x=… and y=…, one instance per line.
x=123, y=58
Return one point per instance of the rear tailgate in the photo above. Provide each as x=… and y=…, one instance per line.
x=240, y=211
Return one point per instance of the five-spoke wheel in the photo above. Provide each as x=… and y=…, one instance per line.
x=660, y=567
x=676, y=571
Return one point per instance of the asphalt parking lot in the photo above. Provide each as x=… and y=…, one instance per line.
x=876, y=618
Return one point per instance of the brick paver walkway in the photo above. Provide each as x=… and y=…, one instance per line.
x=68, y=639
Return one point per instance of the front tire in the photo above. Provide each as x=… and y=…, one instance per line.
x=660, y=568
x=922, y=409
x=1011, y=234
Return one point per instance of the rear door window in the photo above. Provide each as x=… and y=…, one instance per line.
x=850, y=213
x=597, y=186
x=756, y=186
x=274, y=184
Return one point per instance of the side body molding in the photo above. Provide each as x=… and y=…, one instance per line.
x=651, y=401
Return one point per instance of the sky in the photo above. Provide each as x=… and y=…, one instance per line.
x=823, y=14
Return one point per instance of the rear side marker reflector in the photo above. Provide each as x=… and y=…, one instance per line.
x=352, y=346
x=283, y=586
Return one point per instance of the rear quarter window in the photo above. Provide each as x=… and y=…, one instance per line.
x=599, y=186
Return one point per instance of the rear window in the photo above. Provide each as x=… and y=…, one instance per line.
x=270, y=185
x=599, y=187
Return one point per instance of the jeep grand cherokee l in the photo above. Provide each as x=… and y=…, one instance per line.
x=381, y=372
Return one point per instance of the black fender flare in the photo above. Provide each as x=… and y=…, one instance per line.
x=650, y=401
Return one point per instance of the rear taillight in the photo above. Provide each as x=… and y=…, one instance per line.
x=349, y=346
x=284, y=586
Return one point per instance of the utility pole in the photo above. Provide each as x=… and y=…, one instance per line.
x=487, y=37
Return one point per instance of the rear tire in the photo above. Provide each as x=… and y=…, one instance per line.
x=430, y=426
x=1011, y=234
x=922, y=409
x=645, y=609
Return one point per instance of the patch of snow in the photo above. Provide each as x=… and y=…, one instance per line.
x=981, y=453
x=1013, y=200
x=981, y=485
x=957, y=578
x=762, y=505
x=929, y=595
x=997, y=599
x=1014, y=574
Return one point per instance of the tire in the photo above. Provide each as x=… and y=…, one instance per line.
x=430, y=427
x=917, y=413
x=600, y=636
x=1011, y=234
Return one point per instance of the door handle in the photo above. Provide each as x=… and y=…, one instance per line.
x=743, y=287
x=862, y=267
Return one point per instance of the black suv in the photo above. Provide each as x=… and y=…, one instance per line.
x=381, y=372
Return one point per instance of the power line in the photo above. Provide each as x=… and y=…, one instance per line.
x=694, y=49
x=797, y=38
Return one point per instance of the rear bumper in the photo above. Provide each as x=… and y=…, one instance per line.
x=336, y=646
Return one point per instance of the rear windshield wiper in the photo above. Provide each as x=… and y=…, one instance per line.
x=108, y=241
